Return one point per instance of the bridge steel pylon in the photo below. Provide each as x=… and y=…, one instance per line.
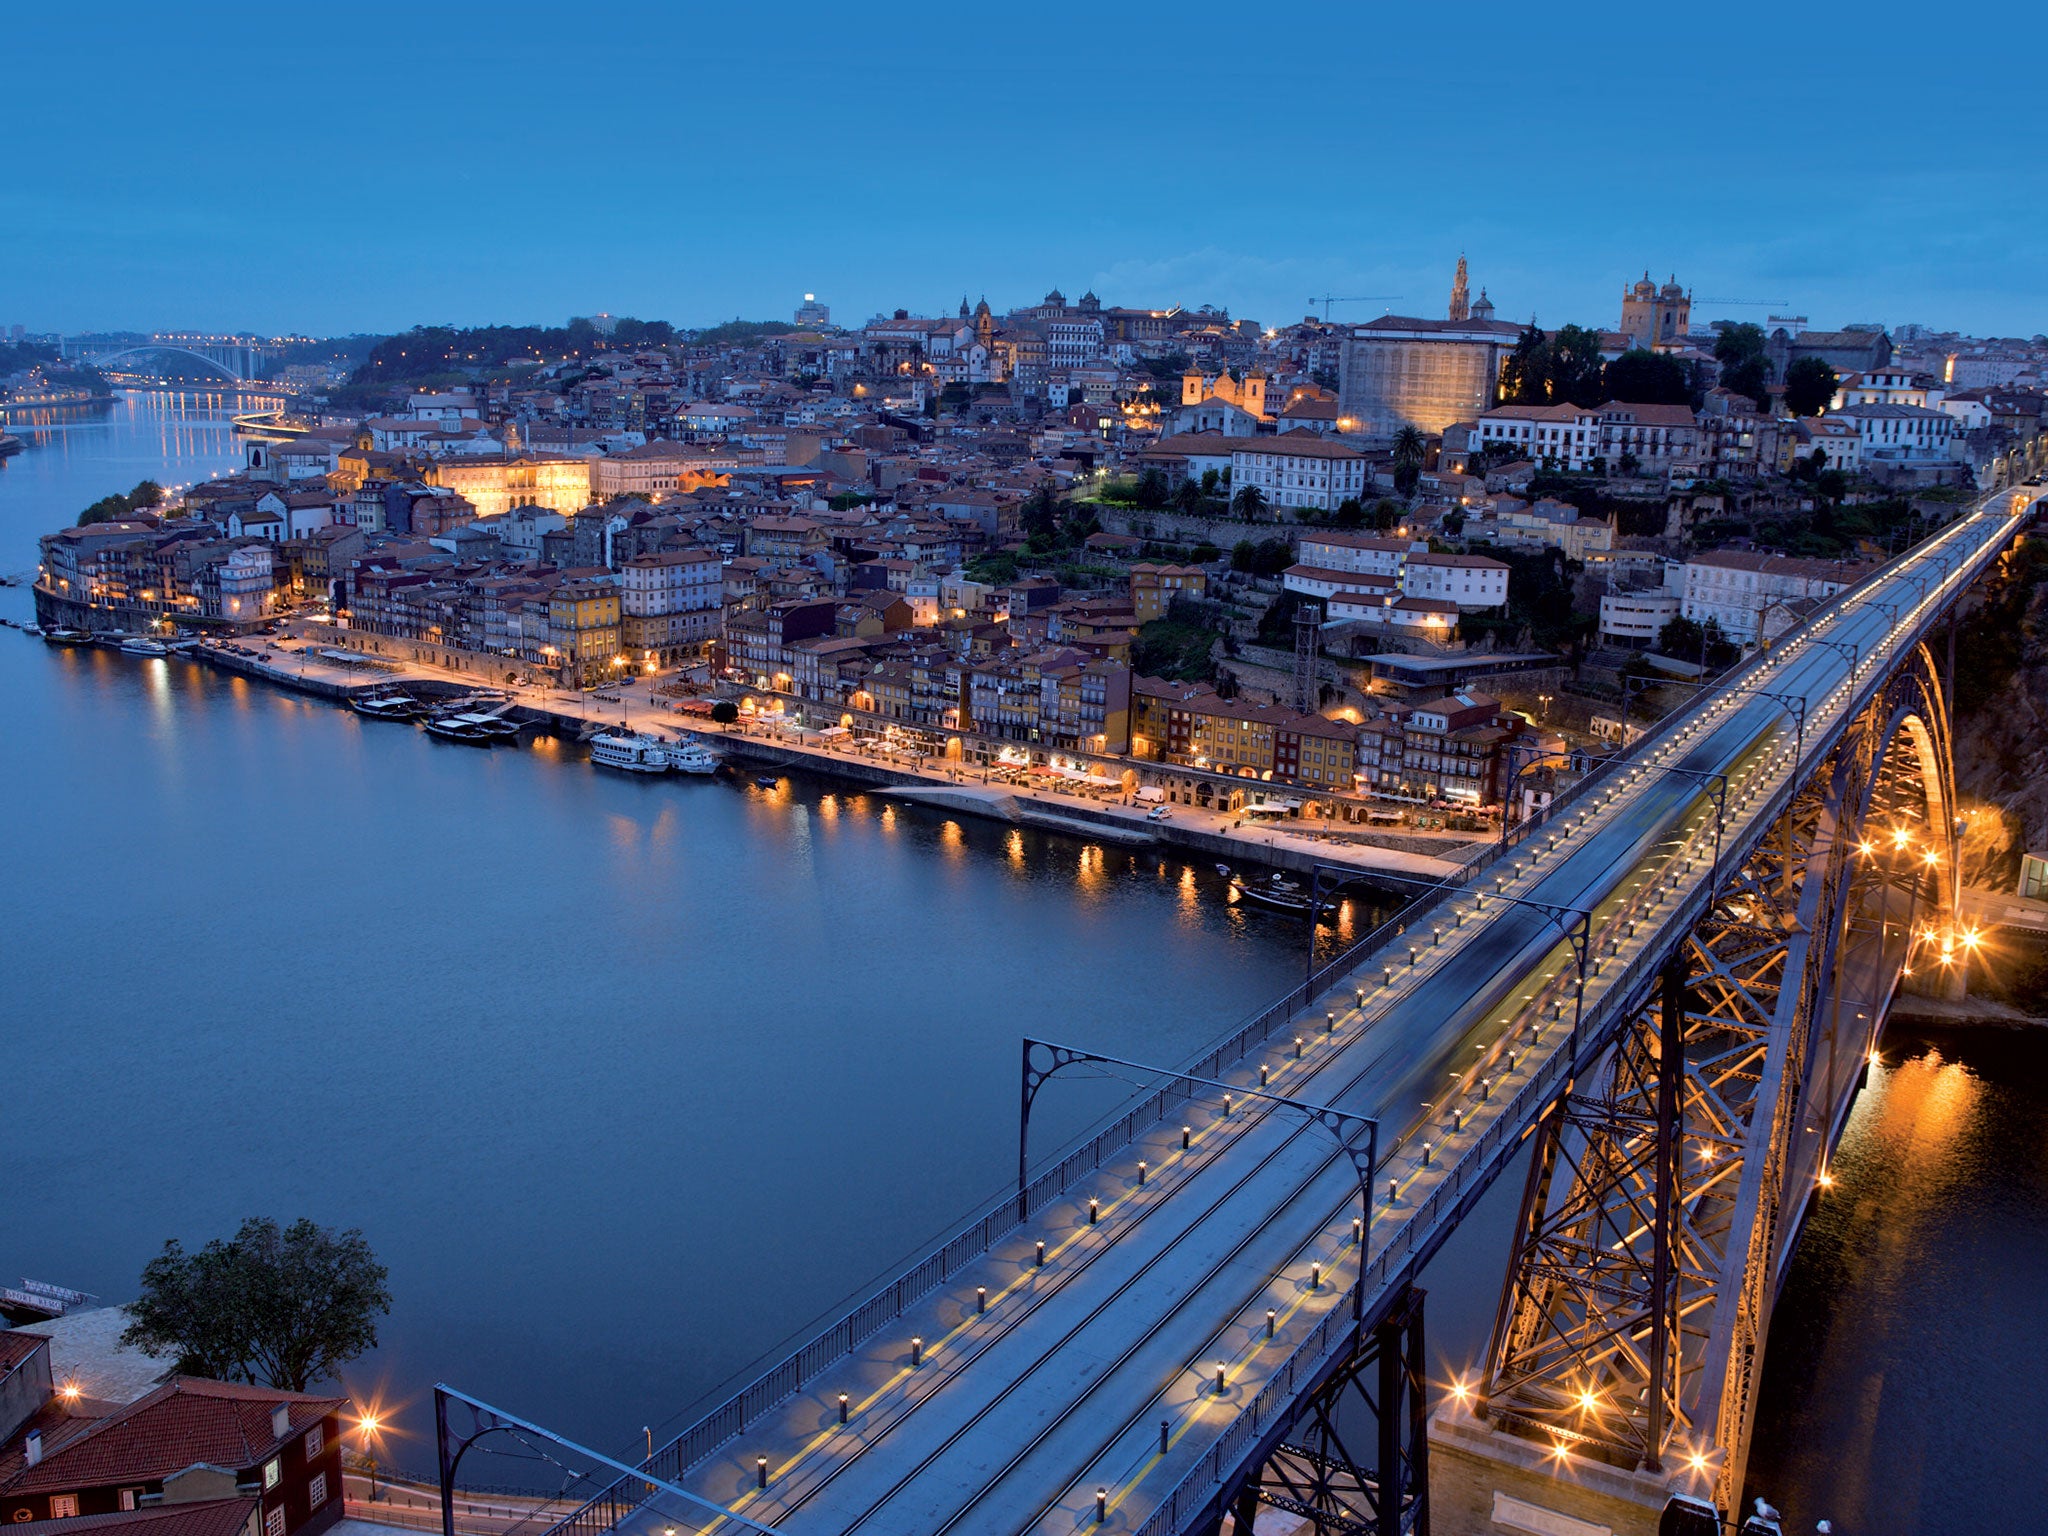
x=1667, y=1181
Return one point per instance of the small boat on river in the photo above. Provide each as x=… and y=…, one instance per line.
x=1275, y=893
x=139, y=646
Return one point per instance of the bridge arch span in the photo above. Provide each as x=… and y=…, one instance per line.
x=212, y=362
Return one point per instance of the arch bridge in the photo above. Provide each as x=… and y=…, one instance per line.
x=238, y=359
x=1664, y=991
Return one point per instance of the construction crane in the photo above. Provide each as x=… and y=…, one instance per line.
x=1364, y=298
x=1749, y=303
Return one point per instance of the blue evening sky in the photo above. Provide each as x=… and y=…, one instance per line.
x=371, y=166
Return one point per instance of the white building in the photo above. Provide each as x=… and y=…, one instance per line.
x=1737, y=589
x=1834, y=438
x=1885, y=386
x=1332, y=562
x=1366, y=553
x=1300, y=469
x=1901, y=434
x=245, y=582
x=1565, y=436
x=1636, y=618
x=1470, y=581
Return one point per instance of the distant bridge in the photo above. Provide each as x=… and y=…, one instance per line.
x=241, y=359
x=1666, y=987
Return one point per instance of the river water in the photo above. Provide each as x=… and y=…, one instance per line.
x=628, y=1081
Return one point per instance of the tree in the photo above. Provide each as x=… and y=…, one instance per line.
x=1268, y=557
x=1809, y=385
x=1406, y=478
x=1187, y=496
x=1525, y=375
x=1249, y=503
x=1744, y=367
x=1647, y=378
x=1680, y=638
x=1039, y=516
x=1410, y=447
x=281, y=1307
x=1350, y=513
x=1152, y=489
x=1628, y=463
x=724, y=712
x=1575, y=367
x=1211, y=482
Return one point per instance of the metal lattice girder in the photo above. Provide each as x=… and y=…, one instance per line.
x=1638, y=1297
x=1354, y=1462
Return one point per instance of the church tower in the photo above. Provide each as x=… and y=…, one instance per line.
x=1461, y=294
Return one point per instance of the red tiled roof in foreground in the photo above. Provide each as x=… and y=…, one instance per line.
x=210, y=1517
x=184, y=1421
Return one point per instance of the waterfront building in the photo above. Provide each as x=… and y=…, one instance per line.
x=1256, y=741
x=671, y=605
x=245, y=582
x=1451, y=749
x=583, y=628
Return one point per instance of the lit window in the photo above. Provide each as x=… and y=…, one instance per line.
x=271, y=1472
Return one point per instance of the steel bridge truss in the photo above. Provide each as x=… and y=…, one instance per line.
x=1653, y=1224
x=1377, y=1398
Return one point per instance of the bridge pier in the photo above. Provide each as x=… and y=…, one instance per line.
x=1483, y=1480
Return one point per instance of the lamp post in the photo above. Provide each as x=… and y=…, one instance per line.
x=368, y=1424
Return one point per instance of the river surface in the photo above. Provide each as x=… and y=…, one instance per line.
x=627, y=1082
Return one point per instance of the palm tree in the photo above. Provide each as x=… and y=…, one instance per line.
x=1409, y=447
x=1250, y=502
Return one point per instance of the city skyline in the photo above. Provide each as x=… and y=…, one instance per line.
x=467, y=179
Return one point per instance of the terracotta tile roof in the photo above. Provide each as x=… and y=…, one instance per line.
x=17, y=1347
x=212, y=1517
x=186, y=1420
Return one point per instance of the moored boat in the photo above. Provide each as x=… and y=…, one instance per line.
x=478, y=727
x=139, y=646
x=692, y=757
x=61, y=636
x=395, y=705
x=630, y=752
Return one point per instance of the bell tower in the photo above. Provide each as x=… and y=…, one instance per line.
x=1461, y=293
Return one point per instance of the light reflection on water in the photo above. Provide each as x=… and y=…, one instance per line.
x=1910, y=1335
